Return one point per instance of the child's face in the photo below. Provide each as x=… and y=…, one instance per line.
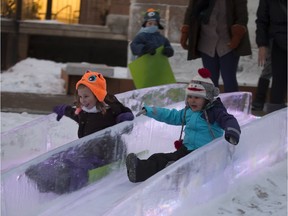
x=195, y=103
x=86, y=97
x=151, y=23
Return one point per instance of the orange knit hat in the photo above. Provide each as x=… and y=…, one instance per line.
x=95, y=82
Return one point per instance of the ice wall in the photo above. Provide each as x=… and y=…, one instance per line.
x=41, y=135
x=20, y=196
x=209, y=171
x=34, y=138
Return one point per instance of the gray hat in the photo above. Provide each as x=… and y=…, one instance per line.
x=202, y=86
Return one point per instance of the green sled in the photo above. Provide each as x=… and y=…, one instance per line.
x=100, y=172
x=151, y=70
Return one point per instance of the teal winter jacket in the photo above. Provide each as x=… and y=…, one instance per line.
x=197, y=132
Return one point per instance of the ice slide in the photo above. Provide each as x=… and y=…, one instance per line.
x=44, y=134
x=168, y=190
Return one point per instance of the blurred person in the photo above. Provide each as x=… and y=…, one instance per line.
x=149, y=38
x=217, y=32
x=263, y=84
x=271, y=24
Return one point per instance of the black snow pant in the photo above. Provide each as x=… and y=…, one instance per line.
x=279, y=74
x=156, y=162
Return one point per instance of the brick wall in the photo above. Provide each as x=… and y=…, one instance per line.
x=120, y=7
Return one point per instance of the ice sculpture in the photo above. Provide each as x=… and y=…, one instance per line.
x=21, y=196
x=39, y=136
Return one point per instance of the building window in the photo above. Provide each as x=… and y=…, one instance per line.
x=65, y=11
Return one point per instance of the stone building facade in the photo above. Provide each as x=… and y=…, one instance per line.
x=102, y=35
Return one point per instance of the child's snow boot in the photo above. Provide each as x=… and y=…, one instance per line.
x=131, y=164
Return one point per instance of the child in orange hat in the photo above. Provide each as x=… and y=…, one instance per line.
x=68, y=170
x=95, y=108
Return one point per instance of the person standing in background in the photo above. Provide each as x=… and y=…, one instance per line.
x=217, y=32
x=263, y=84
x=271, y=24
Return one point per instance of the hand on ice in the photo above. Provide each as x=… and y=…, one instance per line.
x=232, y=135
x=232, y=140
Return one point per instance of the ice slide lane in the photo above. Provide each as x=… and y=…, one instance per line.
x=205, y=174
x=41, y=135
x=209, y=171
x=114, y=191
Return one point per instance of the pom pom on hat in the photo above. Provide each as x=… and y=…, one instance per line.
x=152, y=14
x=204, y=72
x=95, y=82
x=202, y=86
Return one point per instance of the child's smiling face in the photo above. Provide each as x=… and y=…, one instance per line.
x=86, y=97
x=196, y=103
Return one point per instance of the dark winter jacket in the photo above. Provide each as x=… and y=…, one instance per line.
x=237, y=13
x=197, y=132
x=271, y=22
x=93, y=122
x=144, y=42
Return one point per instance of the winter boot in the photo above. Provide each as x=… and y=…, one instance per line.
x=131, y=164
x=260, y=98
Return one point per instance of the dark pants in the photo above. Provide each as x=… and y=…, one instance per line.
x=279, y=74
x=157, y=162
x=227, y=66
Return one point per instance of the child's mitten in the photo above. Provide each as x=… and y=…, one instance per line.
x=184, y=37
x=238, y=32
x=127, y=116
x=60, y=111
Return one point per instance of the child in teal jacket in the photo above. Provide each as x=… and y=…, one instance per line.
x=204, y=118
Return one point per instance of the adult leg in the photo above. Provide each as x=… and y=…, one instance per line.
x=279, y=80
x=263, y=83
x=228, y=68
x=267, y=70
x=212, y=64
x=261, y=93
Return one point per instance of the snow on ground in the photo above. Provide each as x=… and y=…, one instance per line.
x=34, y=76
x=11, y=120
x=262, y=193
